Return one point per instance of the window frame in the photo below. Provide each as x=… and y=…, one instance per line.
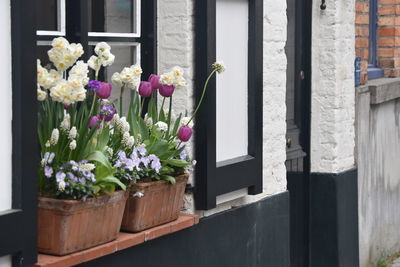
x=217, y=178
x=374, y=72
x=19, y=238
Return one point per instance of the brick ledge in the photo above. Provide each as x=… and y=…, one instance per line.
x=124, y=241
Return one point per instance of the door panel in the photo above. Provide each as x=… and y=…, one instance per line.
x=297, y=119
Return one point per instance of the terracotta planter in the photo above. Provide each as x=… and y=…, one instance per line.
x=153, y=203
x=67, y=226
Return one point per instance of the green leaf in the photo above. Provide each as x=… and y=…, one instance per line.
x=169, y=179
x=144, y=131
x=159, y=148
x=176, y=126
x=99, y=157
x=113, y=180
x=177, y=162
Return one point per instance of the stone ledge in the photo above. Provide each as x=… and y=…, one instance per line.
x=124, y=241
x=383, y=90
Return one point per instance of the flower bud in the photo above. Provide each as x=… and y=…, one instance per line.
x=166, y=90
x=104, y=90
x=184, y=133
x=155, y=81
x=145, y=89
x=93, y=121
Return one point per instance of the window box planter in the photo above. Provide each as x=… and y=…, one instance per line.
x=67, y=226
x=153, y=203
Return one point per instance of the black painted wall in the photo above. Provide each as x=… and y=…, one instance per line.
x=334, y=219
x=256, y=235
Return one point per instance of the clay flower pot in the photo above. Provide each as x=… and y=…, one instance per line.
x=67, y=226
x=153, y=203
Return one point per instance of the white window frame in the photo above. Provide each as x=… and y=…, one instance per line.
x=135, y=34
x=61, y=20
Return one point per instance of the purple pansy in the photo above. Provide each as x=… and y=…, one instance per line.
x=48, y=171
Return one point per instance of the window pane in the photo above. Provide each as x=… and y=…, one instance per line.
x=113, y=16
x=41, y=50
x=126, y=54
x=232, y=86
x=46, y=15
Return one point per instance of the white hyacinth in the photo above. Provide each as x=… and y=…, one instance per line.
x=87, y=167
x=55, y=135
x=72, y=145
x=72, y=133
x=66, y=123
x=110, y=151
x=127, y=140
x=48, y=143
x=122, y=125
x=161, y=126
x=61, y=185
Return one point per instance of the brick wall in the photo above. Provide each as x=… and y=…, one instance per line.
x=362, y=35
x=388, y=37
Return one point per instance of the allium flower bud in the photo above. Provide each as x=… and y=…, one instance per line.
x=104, y=90
x=145, y=89
x=93, y=121
x=155, y=81
x=166, y=90
x=184, y=133
x=94, y=85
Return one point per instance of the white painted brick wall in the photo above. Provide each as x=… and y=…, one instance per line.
x=175, y=47
x=333, y=106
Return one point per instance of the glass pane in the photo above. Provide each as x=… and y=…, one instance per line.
x=42, y=55
x=46, y=15
x=125, y=56
x=232, y=88
x=113, y=16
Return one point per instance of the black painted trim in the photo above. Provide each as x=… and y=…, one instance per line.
x=17, y=237
x=253, y=235
x=334, y=219
x=213, y=179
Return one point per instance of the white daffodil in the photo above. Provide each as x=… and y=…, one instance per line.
x=41, y=95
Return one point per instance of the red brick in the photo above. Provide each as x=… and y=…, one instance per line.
x=363, y=53
x=389, y=2
x=362, y=7
x=362, y=31
x=362, y=42
x=99, y=251
x=362, y=19
x=158, y=231
x=183, y=222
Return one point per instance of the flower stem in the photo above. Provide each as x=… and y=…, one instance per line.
x=120, y=99
x=169, y=114
x=162, y=105
x=141, y=107
x=93, y=104
x=202, y=96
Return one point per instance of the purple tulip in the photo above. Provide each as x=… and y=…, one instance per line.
x=145, y=89
x=94, y=85
x=104, y=90
x=184, y=133
x=93, y=121
x=155, y=81
x=107, y=112
x=166, y=90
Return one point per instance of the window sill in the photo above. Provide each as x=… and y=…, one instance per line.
x=381, y=90
x=124, y=241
